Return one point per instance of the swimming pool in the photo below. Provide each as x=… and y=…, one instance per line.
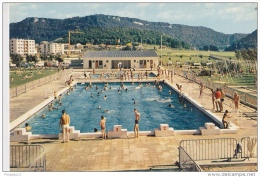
x=150, y=102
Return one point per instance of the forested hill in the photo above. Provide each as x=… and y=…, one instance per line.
x=45, y=29
x=250, y=41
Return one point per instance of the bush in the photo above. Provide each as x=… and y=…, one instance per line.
x=205, y=73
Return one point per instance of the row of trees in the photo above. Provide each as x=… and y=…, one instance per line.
x=122, y=36
x=19, y=59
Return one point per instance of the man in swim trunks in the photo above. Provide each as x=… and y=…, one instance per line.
x=217, y=100
x=64, y=123
x=136, y=127
x=102, y=124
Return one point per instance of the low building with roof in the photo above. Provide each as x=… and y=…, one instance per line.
x=120, y=59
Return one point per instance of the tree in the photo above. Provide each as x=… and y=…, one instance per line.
x=43, y=57
x=58, y=58
x=238, y=54
x=16, y=59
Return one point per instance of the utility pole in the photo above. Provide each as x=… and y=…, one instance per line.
x=161, y=50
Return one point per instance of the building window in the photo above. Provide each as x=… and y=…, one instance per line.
x=100, y=63
x=134, y=60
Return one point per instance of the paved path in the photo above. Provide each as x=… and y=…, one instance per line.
x=120, y=154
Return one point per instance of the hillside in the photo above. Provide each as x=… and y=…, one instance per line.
x=41, y=29
x=250, y=41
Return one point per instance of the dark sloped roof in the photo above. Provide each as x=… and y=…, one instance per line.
x=105, y=54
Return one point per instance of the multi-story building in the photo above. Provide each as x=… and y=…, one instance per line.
x=52, y=48
x=22, y=46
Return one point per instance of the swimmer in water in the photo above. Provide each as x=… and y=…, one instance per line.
x=105, y=97
x=99, y=107
x=27, y=127
x=170, y=92
x=171, y=106
x=43, y=116
x=106, y=111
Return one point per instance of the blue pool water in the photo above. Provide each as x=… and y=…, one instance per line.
x=150, y=102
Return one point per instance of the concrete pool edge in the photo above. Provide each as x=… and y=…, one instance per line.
x=232, y=130
x=37, y=108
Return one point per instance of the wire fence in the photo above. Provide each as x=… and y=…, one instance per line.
x=36, y=83
x=245, y=98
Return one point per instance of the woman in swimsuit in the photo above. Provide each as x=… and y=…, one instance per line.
x=236, y=100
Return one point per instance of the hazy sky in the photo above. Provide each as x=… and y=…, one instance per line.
x=223, y=17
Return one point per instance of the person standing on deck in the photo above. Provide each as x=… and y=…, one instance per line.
x=64, y=123
x=201, y=88
x=217, y=100
x=136, y=127
x=102, y=124
x=222, y=96
x=236, y=100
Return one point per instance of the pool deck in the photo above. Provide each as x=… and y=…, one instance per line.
x=126, y=154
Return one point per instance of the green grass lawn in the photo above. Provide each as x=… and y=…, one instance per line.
x=173, y=55
x=18, y=79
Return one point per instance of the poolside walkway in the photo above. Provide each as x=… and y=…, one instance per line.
x=120, y=154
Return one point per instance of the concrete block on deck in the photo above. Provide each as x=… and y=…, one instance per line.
x=164, y=131
x=117, y=132
x=209, y=129
x=73, y=134
x=20, y=134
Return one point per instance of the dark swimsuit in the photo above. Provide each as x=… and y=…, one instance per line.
x=136, y=121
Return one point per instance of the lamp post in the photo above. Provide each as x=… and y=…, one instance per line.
x=161, y=50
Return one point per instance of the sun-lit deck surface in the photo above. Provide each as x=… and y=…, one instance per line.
x=121, y=154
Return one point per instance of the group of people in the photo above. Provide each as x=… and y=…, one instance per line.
x=218, y=98
x=65, y=122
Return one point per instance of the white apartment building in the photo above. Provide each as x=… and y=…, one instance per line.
x=22, y=46
x=52, y=48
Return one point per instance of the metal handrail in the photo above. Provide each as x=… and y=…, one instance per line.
x=186, y=162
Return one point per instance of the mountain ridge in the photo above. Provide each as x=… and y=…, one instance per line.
x=49, y=29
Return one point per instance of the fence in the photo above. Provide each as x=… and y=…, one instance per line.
x=210, y=149
x=36, y=83
x=28, y=156
x=222, y=148
x=245, y=98
x=39, y=164
x=249, y=147
x=186, y=162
